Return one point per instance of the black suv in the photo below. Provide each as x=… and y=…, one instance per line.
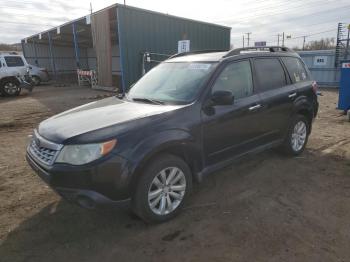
x=189, y=116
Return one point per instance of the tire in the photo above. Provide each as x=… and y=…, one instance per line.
x=150, y=190
x=297, y=136
x=10, y=88
x=36, y=80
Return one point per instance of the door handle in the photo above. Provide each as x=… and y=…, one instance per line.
x=292, y=95
x=252, y=108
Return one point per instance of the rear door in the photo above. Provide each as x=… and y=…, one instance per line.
x=277, y=94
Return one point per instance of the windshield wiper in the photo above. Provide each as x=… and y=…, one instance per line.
x=148, y=100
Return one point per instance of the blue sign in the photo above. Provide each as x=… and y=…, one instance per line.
x=260, y=44
x=344, y=87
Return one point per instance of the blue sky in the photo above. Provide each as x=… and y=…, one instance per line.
x=264, y=19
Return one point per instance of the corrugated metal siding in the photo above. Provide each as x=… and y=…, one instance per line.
x=141, y=30
x=64, y=57
x=325, y=75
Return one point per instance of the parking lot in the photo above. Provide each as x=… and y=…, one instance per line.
x=266, y=208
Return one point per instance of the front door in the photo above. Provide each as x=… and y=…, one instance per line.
x=230, y=130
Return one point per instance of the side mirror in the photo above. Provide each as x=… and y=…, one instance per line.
x=222, y=98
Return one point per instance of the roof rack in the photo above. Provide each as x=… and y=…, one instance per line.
x=258, y=49
x=197, y=52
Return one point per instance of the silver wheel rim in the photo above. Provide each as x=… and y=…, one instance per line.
x=298, y=136
x=35, y=80
x=167, y=191
x=10, y=88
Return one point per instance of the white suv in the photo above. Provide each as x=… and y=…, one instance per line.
x=14, y=74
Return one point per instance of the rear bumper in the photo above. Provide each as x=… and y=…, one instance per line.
x=87, y=196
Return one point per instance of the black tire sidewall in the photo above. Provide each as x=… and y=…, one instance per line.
x=140, y=199
x=37, y=79
x=288, y=142
x=4, y=93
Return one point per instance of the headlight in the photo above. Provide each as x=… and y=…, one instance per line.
x=82, y=154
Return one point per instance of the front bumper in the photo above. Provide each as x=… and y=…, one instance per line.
x=104, y=184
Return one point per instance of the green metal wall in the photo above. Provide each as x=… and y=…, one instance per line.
x=141, y=30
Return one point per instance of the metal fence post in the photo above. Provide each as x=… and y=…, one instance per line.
x=51, y=56
x=35, y=53
x=76, y=46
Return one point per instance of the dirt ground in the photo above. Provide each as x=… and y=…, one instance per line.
x=266, y=208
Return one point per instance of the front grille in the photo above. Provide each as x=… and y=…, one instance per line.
x=44, y=154
x=43, y=150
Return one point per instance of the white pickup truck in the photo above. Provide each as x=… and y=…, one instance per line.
x=14, y=74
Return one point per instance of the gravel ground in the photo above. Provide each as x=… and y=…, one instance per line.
x=266, y=208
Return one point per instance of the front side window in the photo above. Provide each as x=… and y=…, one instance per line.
x=13, y=61
x=269, y=73
x=295, y=69
x=236, y=78
x=177, y=83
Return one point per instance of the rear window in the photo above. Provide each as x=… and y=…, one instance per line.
x=269, y=73
x=13, y=61
x=295, y=69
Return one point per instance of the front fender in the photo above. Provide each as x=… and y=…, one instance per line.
x=159, y=142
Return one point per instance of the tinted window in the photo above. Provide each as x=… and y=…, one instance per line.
x=13, y=61
x=236, y=78
x=269, y=73
x=295, y=69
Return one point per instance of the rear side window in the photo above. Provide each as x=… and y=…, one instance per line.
x=295, y=69
x=13, y=61
x=236, y=78
x=269, y=73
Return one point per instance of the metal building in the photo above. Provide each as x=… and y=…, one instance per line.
x=120, y=42
x=322, y=66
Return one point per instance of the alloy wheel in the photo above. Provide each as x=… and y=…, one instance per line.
x=10, y=88
x=167, y=191
x=299, y=136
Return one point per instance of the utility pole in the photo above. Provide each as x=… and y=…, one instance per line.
x=278, y=39
x=248, y=38
x=243, y=41
x=283, y=39
x=90, y=8
x=347, y=43
x=304, y=42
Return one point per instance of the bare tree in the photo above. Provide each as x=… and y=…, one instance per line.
x=7, y=47
x=322, y=44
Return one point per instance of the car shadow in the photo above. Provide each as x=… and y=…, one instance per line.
x=240, y=204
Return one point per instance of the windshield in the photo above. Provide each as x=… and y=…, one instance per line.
x=177, y=83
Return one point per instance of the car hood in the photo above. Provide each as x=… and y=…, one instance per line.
x=97, y=115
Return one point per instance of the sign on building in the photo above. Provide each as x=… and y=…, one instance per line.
x=88, y=19
x=260, y=44
x=183, y=46
x=320, y=60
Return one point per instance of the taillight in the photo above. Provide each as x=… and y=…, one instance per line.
x=314, y=87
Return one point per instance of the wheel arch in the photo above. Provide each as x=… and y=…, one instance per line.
x=304, y=107
x=9, y=78
x=184, y=149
